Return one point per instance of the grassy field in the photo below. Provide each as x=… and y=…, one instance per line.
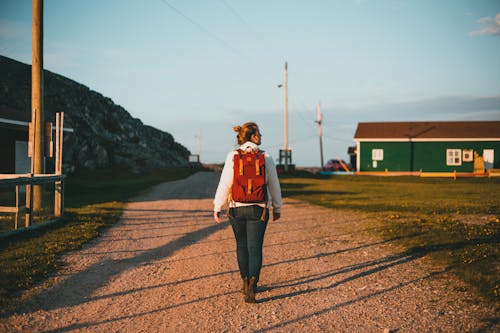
x=456, y=223
x=93, y=202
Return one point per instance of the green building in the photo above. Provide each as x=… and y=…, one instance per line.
x=438, y=146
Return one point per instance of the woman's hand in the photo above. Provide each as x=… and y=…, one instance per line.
x=217, y=217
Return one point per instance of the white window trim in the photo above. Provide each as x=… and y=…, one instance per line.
x=377, y=154
x=453, y=157
x=467, y=155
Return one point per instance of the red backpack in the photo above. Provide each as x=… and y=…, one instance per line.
x=249, y=180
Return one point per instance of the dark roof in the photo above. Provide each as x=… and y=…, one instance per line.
x=429, y=130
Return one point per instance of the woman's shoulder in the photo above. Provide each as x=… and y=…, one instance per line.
x=230, y=155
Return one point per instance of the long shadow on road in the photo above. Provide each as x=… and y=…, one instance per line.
x=371, y=267
x=367, y=268
x=97, y=275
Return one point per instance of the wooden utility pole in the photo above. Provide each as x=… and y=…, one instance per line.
x=285, y=142
x=320, y=134
x=285, y=156
x=37, y=115
x=286, y=153
x=199, y=145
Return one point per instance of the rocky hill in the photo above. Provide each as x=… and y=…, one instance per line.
x=105, y=134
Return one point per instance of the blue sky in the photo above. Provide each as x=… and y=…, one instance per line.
x=191, y=67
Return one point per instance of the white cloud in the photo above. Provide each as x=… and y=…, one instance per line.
x=490, y=26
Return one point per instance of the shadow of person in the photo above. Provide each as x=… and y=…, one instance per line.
x=79, y=287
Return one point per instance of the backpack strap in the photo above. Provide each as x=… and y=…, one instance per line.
x=240, y=166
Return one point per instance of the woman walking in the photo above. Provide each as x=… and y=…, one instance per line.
x=249, y=184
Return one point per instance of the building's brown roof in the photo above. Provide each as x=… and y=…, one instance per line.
x=429, y=130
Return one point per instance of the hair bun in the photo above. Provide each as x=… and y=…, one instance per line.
x=237, y=128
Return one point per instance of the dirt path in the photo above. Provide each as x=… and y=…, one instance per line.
x=167, y=267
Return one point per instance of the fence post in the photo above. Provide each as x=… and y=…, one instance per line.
x=58, y=185
x=29, y=203
x=17, y=206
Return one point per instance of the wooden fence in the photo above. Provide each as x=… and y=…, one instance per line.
x=29, y=181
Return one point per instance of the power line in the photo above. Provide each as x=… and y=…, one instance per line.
x=235, y=13
x=269, y=48
x=294, y=141
x=309, y=123
x=203, y=29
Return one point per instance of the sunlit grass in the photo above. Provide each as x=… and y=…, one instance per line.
x=434, y=217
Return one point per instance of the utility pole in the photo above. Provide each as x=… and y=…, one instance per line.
x=285, y=157
x=285, y=142
x=37, y=112
x=285, y=153
x=199, y=145
x=320, y=134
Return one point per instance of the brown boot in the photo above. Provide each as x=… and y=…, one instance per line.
x=244, y=289
x=250, y=295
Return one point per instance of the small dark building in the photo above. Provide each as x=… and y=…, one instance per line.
x=351, y=151
x=14, y=141
x=14, y=131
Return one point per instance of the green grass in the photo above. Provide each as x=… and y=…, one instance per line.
x=401, y=194
x=456, y=223
x=93, y=202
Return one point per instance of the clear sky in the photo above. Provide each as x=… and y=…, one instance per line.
x=189, y=67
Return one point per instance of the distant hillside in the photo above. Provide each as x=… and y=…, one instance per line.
x=105, y=134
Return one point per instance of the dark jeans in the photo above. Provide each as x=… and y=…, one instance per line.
x=249, y=230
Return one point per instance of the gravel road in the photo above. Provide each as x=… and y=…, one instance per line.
x=167, y=267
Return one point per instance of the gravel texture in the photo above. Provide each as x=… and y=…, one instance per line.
x=166, y=266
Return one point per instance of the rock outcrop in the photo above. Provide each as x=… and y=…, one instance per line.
x=104, y=134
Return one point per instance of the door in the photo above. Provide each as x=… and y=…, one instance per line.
x=489, y=158
x=23, y=162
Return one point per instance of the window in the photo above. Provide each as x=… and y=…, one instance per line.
x=489, y=158
x=468, y=155
x=453, y=157
x=377, y=154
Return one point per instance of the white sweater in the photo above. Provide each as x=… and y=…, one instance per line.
x=226, y=182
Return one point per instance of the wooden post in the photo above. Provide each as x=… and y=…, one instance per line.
x=17, y=207
x=29, y=204
x=58, y=185
x=61, y=183
x=61, y=125
x=285, y=143
x=57, y=193
x=37, y=98
x=56, y=155
x=31, y=154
